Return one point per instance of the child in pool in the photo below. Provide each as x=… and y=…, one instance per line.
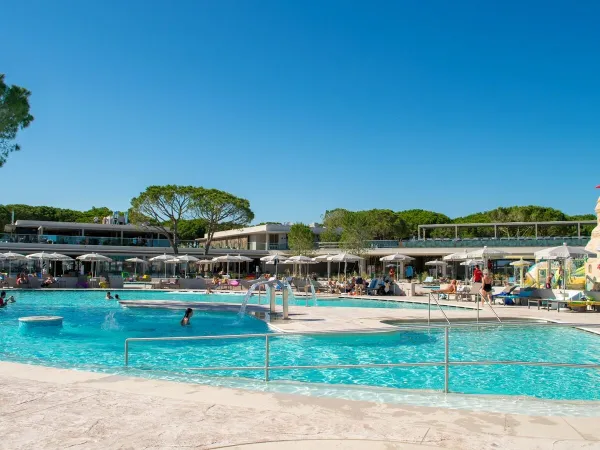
x=186, y=318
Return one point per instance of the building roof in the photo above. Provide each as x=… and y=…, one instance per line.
x=50, y=225
x=257, y=229
x=504, y=224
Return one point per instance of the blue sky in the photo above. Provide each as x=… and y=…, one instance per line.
x=305, y=106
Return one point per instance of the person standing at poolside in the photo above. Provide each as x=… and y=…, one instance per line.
x=560, y=276
x=486, y=289
x=477, y=275
x=549, y=280
x=409, y=273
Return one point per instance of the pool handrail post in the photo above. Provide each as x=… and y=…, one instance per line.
x=285, y=302
x=493, y=310
x=267, y=357
x=126, y=352
x=477, y=305
x=446, y=359
x=429, y=310
x=272, y=300
x=440, y=307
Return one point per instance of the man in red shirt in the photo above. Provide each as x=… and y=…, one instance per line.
x=477, y=275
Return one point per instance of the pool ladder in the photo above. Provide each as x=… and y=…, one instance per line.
x=477, y=298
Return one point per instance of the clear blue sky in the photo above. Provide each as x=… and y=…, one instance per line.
x=453, y=106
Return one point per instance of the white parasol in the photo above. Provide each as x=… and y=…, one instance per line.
x=187, y=259
x=162, y=258
x=60, y=257
x=486, y=253
x=436, y=263
x=10, y=256
x=397, y=258
x=42, y=256
x=226, y=258
x=345, y=258
x=136, y=261
x=275, y=258
x=301, y=260
x=521, y=264
x=94, y=258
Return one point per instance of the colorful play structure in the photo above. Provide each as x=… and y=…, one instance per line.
x=574, y=272
x=581, y=274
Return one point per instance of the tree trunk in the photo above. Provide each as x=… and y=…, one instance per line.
x=175, y=241
x=208, y=242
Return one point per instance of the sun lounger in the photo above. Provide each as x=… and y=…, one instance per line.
x=506, y=291
x=469, y=293
x=373, y=286
x=504, y=297
x=428, y=280
x=323, y=286
x=234, y=284
x=584, y=305
x=522, y=298
x=300, y=283
x=169, y=284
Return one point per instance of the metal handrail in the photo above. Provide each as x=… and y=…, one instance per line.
x=439, y=306
x=446, y=363
x=491, y=307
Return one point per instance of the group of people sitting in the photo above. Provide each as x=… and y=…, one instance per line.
x=49, y=281
x=360, y=286
x=484, y=277
x=22, y=279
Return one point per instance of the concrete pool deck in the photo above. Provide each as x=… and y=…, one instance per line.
x=48, y=408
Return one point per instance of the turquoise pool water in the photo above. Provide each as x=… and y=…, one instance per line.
x=94, y=332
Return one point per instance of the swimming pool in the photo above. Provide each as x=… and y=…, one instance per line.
x=228, y=297
x=94, y=331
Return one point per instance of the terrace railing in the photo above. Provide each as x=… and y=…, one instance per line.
x=499, y=242
x=446, y=363
x=92, y=240
x=468, y=243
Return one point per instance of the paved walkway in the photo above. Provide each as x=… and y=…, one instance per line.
x=47, y=408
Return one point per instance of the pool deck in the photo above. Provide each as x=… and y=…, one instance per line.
x=307, y=319
x=48, y=408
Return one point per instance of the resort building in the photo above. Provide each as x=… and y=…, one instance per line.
x=272, y=236
x=71, y=233
x=122, y=241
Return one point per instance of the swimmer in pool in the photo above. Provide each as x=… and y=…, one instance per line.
x=186, y=318
x=3, y=301
x=108, y=296
x=117, y=297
